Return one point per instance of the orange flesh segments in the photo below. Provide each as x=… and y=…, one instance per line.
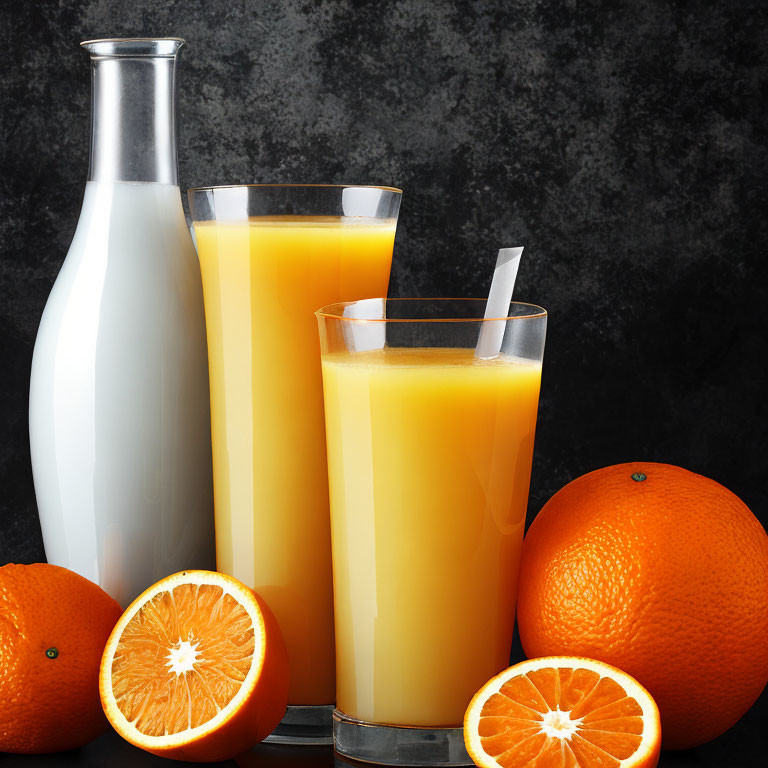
x=181, y=659
x=563, y=713
x=195, y=669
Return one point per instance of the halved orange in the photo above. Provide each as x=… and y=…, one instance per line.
x=563, y=712
x=196, y=669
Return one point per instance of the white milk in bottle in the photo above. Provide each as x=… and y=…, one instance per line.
x=119, y=409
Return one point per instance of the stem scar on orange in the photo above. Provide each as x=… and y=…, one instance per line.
x=53, y=626
x=662, y=573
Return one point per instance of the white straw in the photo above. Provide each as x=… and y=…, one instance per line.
x=499, y=299
x=365, y=336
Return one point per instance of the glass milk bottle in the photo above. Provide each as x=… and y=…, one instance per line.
x=119, y=409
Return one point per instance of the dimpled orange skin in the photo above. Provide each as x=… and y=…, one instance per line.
x=48, y=705
x=665, y=578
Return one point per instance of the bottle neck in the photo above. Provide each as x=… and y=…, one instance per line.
x=133, y=110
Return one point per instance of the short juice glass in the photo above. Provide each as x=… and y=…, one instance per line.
x=429, y=460
x=269, y=256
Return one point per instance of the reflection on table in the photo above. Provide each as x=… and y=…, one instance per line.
x=284, y=756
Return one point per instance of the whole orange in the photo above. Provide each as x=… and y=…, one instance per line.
x=53, y=628
x=662, y=573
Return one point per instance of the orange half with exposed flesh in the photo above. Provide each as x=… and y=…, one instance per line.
x=196, y=669
x=563, y=712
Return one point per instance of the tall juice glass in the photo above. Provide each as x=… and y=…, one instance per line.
x=429, y=459
x=269, y=256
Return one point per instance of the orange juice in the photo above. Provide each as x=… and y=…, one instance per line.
x=429, y=457
x=263, y=278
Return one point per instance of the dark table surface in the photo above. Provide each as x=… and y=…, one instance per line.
x=744, y=746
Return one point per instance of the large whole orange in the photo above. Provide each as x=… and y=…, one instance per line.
x=53, y=627
x=662, y=573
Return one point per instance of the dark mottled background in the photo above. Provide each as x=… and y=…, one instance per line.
x=621, y=142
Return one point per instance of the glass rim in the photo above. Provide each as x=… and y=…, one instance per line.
x=133, y=47
x=332, y=312
x=214, y=187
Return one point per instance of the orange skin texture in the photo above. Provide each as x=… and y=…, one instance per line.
x=666, y=579
x=255, y=719
x=48, y=705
